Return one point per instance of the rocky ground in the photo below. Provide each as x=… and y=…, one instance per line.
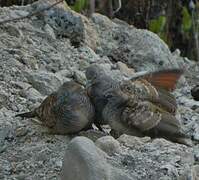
x=38, y=54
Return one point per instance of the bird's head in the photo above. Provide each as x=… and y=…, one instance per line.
x=93, y=72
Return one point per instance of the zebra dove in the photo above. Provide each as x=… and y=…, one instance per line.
x=98, y=84
x=144, y=105
x=65, y=111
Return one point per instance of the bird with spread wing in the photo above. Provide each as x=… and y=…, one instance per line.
x=141, y=105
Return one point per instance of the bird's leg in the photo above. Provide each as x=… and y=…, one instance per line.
x=99, y=127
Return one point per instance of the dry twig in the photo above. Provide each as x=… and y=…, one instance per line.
x=31, y=14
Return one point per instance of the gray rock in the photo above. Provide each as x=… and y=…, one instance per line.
x=21, y=131
x=195, y=172
x=165, y=178
x=154, y=160
x=3, y=99
x=132, y=141
x=196, y=153
x=3, y=134
x=80, y=77
x=140, y=49
x=67, y=23
x=171, y=170
x=191, y=173
x=5, y=167
x=87, y=55
x=83, y=160
x=196, y=132
x=42, y=155
x=32, y=95
x=188, y=102
x=50, y=31
x=27, y=152
x=29, y=61
x=118, y=174
x=64, y=74
x=44, y=82
x=6, y=134
x=92, y=134
x=21, y=84
x=190, y=118
x=13, y=30
x=108, y=144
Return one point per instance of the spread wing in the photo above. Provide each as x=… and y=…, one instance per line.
x=166, y=79
x=166, y=101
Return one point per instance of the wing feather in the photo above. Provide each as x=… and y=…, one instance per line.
x=166, y=79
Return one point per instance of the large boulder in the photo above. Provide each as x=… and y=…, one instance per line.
x=140, y=49
x=83, y=160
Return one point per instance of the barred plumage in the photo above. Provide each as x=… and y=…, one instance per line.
x=141, y=105
x=99, y=84
x=65, y=111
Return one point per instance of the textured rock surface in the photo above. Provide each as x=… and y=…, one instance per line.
x=83, y=160
x=138, y=48
x=108, y=144
x=44, y=82
x=37, y=55
x=154, y=160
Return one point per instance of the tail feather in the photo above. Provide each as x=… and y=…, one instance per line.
x=170, y=126
x=29, y=114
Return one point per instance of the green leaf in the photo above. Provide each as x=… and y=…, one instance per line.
x=163, y=36
x=157, y=25
x=186, y=20
x=79, y=5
